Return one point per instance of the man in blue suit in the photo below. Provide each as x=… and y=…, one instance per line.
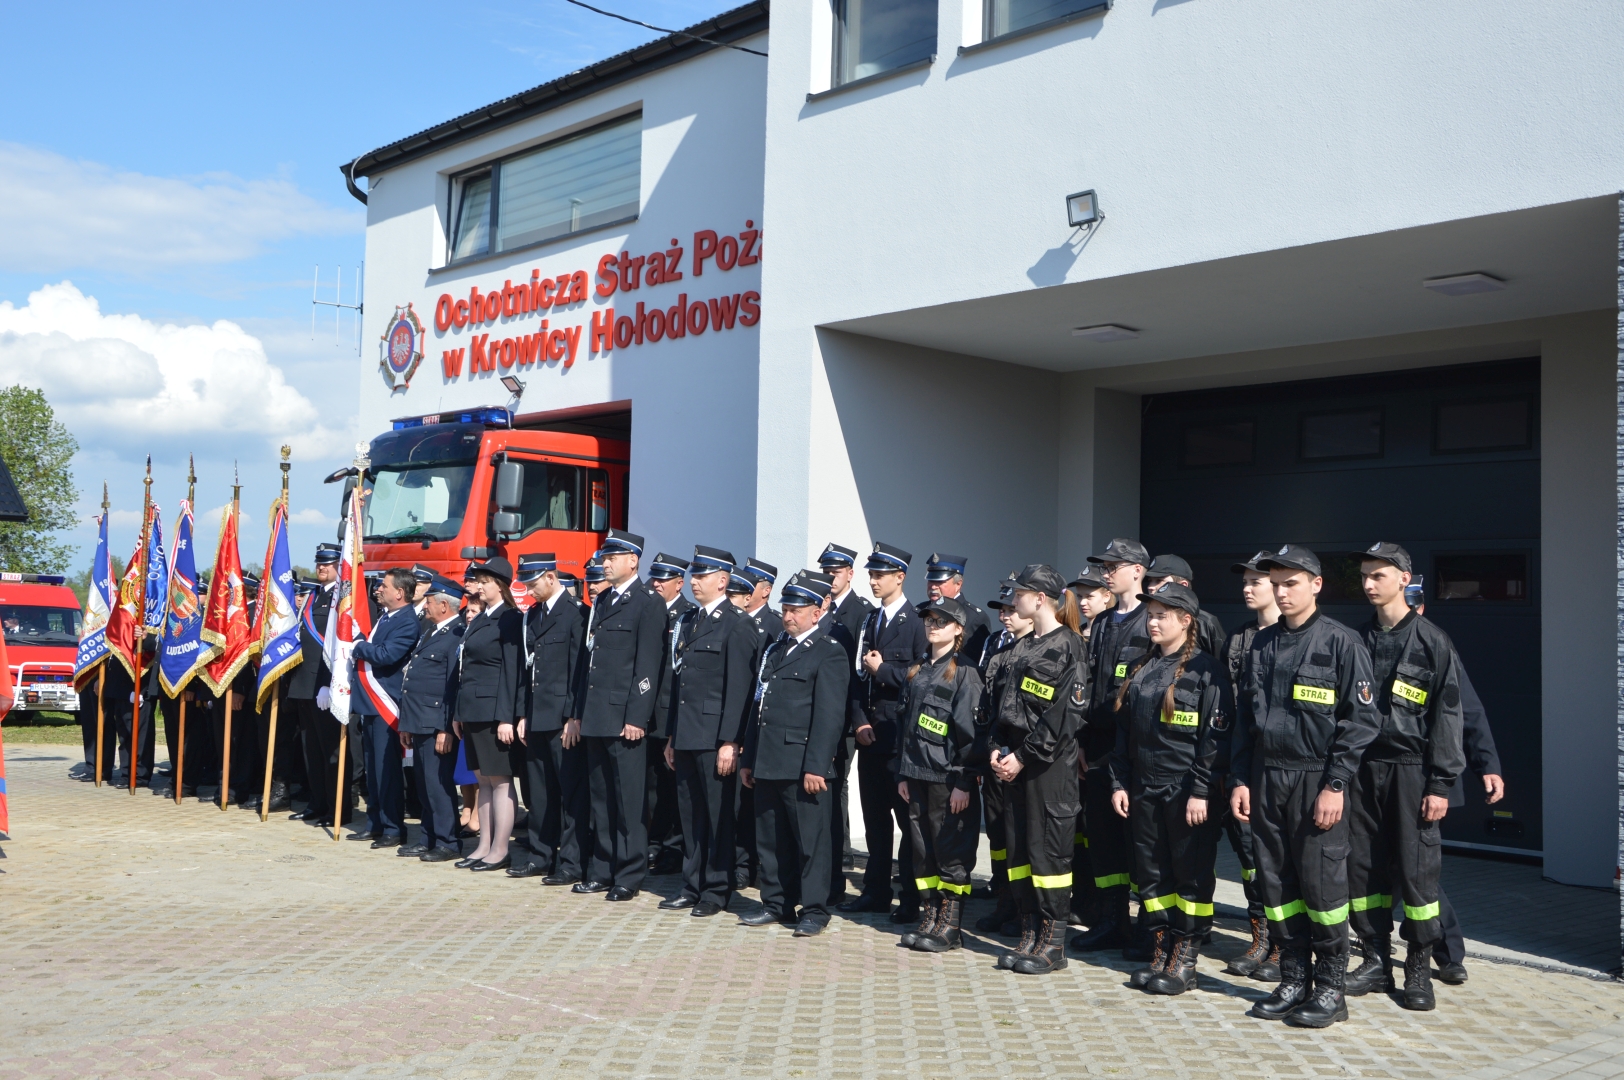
x=386, y=650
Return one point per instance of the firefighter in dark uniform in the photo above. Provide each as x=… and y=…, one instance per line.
x=614, y=706
x=428, y=701
x=749, y=587
x=1177, y=700
x=1305, y=716
x=1210, y=635
x=556, y=791
x=1261, y=960
x=995, y=684
x=715, y=671
x=1094, y=596
x=890, y=642
x=665, y=578
x=422, y=579
x=849, y=610
x=1483, y=759
x=789, y=757
x=937, y=778
x=1116, y=639
x=1035, y=755
x=1401, y=791
x=944, y=576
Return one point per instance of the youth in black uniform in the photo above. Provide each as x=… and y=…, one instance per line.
x=1483, y=759
x=936, y=777
x=995, y=684
x=665, y=577
x=1401, y=791
x=1094, y=597
x=1306, y=713
x=1035, y=755
x=944, y=576
x=428, y=701
x=1178, y=703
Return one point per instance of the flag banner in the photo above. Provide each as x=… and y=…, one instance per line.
x=98, y=609
x=182, y=652
x=344, y=624
x=277, y=617
x=124, y=625
x=157, y=601
x=225, y=623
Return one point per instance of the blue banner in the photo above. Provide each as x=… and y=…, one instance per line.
x=278, y=612
x=182, y=652
x=98, y=609
x=157, y=604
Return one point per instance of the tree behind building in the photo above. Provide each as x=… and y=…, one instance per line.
x=38, y=450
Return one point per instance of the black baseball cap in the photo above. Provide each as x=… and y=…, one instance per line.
x=1088, y=579
x=1175, y=595
x=1291, y=557
x=1382, y=551
x=1251, y=564
x=1165, y=566
x=1006, y=594
x=1041, y=577
x=1123, y=550
x=947, y=607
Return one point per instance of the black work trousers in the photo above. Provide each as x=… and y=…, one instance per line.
x=1107, y=839
x=185, y=741
x=994, y=807
x=1302, y=870
x=885, y=816
x=1174, y=864
x=557, y=801
x=1041, y=819
x=944, y=843
x=1240, y=840
x=319, y=736
x=792, y=841
x=433, y=774
x=617, y=778
x=1393, y=853
x=705, y=802
x=664, y=819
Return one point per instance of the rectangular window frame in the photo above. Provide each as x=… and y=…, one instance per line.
x=1302, y=432
x=1527, y=400
x=837, y=56
x=989, y=39
x=1434, y=585
x=494, y=170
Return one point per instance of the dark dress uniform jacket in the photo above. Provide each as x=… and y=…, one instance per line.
x=715, y=678
x=428, y=699
x=622, y=667
x=875, y=699
x=313, y=673
x=491, y=667
x=1417, y=681
x=662, y=703
x=1155, y=749
x=801, y=714
x=554, y=638
x=850, y=614
x=769, y=624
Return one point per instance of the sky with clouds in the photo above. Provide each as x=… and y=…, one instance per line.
x=168, y=183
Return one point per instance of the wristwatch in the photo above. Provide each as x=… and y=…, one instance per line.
x=1338, y=786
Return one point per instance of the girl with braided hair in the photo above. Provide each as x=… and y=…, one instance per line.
x=1174, y=705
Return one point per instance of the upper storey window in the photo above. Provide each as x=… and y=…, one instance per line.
x=875, y=36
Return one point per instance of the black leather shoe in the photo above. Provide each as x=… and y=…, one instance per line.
x=412, y=851
x=559, y=879
x=1453, y=974
x=741, y=879
x=809, y=927
x=439, y=854
x=705, y=909
x=865, y=902
x=482, y=865
x=303, y=815
x=620, y=893
x=250, y=803
x=680, y=902
x=527, y=870
x=387, y=840
x=760, y=917
x=465, y=862
x=905, y=913
x=590, y=887
x=368, y=837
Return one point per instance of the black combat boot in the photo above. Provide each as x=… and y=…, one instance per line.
x=1418, y=979
x=1248, y=961
x=1004, y=913
x=1029, y=932
x=1138, y=946
x=1293, y=988
x=944, y=935
x=928, y=910
x=1269, y=969
x=1109, y=930
x=1326, y=1005
x=1160, y=944
x=1048, y=949
x=1179, y=974
x=1376, y=972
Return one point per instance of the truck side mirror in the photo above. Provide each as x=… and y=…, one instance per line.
x=506, y=523
x=509, y=485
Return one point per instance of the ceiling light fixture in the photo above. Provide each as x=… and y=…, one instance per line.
x=1105, y=332
x=1464, y=284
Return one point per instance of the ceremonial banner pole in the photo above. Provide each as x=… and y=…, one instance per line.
x=180, y=735
x=140, y=628
x=268, y=586
x=101, y=676
x=231, y=695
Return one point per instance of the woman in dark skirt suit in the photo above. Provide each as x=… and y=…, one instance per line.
x=487, y=707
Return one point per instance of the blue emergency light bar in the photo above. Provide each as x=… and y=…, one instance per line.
x=489, y=415
x=35, y=579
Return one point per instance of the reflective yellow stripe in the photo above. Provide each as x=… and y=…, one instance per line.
x=1183, y=719
x=1193, y=908
x=1018, y=872
x=962, y=890
x=1319, y=695
x=1423, y=913
x=1247, y=875
x=1042, y=690
x=999, y=854
x=1370, y=903
x=1110, y=880
x=1329, y=918
x=1052, y=881
x=928, y=882
x=930, y=723
x=1078, y=838
x=1159, y=903
x=1402, y=689
x=1122, y=671
x=1281, y=914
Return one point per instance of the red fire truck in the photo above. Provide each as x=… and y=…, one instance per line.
x=449, y=487
x=42, y=619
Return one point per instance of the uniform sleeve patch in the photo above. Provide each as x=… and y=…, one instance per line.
x=642, y=687
x=1079, y=694
x=1451, y=696
x=1365, y=696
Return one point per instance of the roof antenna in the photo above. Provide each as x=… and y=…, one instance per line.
x=338, y=305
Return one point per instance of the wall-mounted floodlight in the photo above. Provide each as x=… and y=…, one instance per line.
x=1083, y=210
x=1105, y=332
x=514, y=385
x=1464, y=284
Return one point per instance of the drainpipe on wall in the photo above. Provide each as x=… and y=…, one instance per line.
x=1618, y=972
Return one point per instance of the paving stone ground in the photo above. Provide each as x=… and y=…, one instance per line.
x=144, y=939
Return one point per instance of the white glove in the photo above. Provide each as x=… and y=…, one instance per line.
x=324, y=697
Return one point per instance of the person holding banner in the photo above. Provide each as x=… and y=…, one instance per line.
x=488, y=704
x=379, y=661
x=309, y=696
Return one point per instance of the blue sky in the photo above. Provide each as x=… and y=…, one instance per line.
x=178, y=164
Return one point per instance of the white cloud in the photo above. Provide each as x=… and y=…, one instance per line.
x=311, y=516
x=59, y=214
x=126, y=380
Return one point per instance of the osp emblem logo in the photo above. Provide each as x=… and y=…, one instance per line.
x=402, y=348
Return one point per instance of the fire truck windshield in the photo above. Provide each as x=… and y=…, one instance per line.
x=425, y=502
x=26, y=624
